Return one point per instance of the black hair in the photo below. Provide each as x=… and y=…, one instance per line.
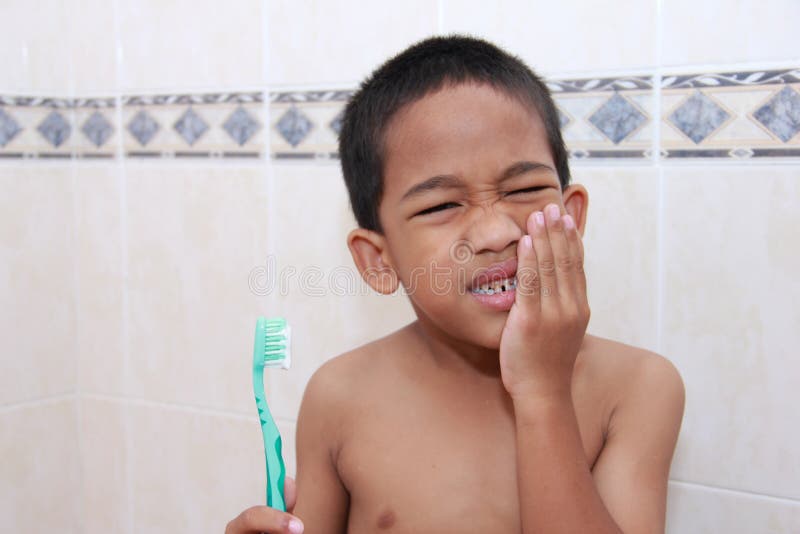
x=419, y=70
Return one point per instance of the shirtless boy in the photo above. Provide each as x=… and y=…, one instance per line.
x=493, y=412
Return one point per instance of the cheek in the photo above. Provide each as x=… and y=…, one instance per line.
x=419, y=257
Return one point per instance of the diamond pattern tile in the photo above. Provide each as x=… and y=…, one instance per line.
x=191, y=126
x=9, y=128
x=55, y=128
x=781, y=114
x=336, y=123
x=143, y=127
x=698, y=117
x=294, y=126
x=241, y=126
x=563, y=119
x=97, y=129
x=617, y=118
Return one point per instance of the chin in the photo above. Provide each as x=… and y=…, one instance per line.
x=485, y=333
x=480, y=331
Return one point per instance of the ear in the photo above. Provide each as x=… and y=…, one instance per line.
x=372, y=260
x=576, y=202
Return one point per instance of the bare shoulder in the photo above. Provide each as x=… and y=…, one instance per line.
x=626, y=362
x=331, y=389
x=359, y=366
x=634, y=374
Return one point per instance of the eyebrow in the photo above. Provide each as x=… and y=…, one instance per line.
x=450, y=181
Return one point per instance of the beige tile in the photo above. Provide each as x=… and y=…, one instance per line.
x=193, y=472
x=703, y=510
x=620, y=247
x=99, y=249
x=94, y=46
x=730, y=323
x=31, y=61
x=104, y=496
x=190, y=44
x=194, y=235
x=37, y=282
x=318, y=288
x=562, y=37
x=317, y=42
x=39, y=474
x=701, y=33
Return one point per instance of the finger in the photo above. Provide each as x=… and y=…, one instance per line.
x=527, y=291
x=290, y=493
x=544, y=254
x=257, y=519
x=576, y=244
x=562, y=257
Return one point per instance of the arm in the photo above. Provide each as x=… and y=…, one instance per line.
x=632, y=471
x=322, y=499
x=538, y=350
x=629, y=489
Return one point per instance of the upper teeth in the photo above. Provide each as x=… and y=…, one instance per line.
x=497, y=286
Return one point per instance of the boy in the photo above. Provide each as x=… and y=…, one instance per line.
x=494, y=411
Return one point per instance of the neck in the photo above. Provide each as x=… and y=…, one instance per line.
x=455, y=356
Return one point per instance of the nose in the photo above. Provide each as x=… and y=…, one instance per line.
x=492, y=230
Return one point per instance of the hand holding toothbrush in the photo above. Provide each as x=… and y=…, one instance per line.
x=262, y=519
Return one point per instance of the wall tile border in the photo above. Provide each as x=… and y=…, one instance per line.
x=729, y=116
x=732, y=115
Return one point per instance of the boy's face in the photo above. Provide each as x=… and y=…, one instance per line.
x=463, y=169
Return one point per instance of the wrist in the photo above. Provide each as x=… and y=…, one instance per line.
x=541, y=393
x=536, y=403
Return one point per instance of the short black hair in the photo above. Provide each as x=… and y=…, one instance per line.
x=419, y=70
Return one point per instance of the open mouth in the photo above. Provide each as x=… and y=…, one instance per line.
x=499, y=286
x=496, y=278
x=495, y=286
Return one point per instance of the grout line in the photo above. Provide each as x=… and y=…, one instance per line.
x=78, y=347
x=265, y=74
x=738, y=492
x=81, y=498
x=660, y=261
x=174, y=406
x=265, y=91
x=657, y=77
x=127, y=433
x=38, y=401
x=739, y=66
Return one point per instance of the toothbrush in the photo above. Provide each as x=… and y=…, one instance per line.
x=271, y=350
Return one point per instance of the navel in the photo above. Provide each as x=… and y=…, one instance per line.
x=386, y=519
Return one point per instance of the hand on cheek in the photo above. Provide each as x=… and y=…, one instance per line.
x=547, y=323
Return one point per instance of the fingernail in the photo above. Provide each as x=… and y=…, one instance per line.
x=553, y=212
x=295, y=526
x=526, y=242
x=568, y=222
x=539, y=216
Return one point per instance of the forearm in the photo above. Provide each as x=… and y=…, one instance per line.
x=556, y=489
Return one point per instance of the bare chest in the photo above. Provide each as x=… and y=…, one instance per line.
x=413, y=465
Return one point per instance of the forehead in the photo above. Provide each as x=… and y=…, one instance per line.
x=470, y=130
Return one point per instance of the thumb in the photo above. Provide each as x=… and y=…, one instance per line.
x=290, y=493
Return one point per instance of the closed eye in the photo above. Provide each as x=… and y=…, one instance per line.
x=527, y=190
x=438, y=207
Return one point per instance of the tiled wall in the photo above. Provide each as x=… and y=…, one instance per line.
x=158, y=158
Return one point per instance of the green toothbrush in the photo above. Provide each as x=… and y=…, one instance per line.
x=271, y=349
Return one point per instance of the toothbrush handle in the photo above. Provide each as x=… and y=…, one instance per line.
x=276, y=470
x=275, y=497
